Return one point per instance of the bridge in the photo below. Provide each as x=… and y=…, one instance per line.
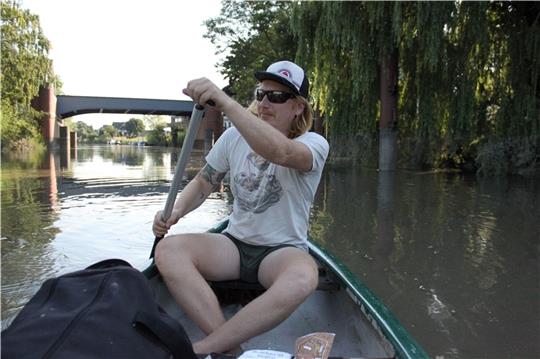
x=69, y=106
x=58, y=108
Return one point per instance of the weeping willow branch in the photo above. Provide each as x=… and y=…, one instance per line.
x=468, y=76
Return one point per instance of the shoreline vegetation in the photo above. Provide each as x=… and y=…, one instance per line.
x=466, y=94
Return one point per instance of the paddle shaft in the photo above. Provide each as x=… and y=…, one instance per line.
x=187, y=146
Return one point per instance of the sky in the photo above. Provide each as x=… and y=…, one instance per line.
x=121, y=48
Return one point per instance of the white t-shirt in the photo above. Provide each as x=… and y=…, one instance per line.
x=271, y=202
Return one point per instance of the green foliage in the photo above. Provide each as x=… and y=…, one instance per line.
x=134, y=127
x=108, y=131
x=25, y=65
x=468, y=76
x=19, y=126
x=509, y=155
x=25, y=68
x=158, y=136
x=252, y=35
x=151, y=121
x=85, y=132
x=178, y=134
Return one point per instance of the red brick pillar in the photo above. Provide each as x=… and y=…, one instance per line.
x=215, y=122
x=389, y=114
x=46, y=102
x=212, y=123
x=210, y=129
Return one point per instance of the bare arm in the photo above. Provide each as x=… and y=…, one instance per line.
x=267, y=141
x=196, y=192
x=264, y=139
x=191, y=197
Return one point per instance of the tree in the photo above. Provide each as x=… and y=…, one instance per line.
x=468, y=78
x=178, y=134
x=108, y=131
x=25, y=68
x=85, y=132
x=464, y=77
x=134, y=127
x=152, y=121
x=252, y=35
x=158, y=136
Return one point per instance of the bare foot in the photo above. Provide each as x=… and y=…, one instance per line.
x=236, y=352
x=199, y=349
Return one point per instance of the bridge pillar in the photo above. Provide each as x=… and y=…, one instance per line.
x=211, y=128
x=65, y=141
x=389, y=115
x=73, y=140
x=46, y=102
x=65, y=147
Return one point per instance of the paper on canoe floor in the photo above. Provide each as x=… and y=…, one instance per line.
x=311, y=346
x=264, y=354
x=314, y=346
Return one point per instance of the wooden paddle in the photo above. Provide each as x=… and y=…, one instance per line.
x=187, y=146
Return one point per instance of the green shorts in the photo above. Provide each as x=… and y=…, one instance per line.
x=251, y=257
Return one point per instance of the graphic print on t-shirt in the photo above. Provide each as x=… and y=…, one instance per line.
x=256, y=189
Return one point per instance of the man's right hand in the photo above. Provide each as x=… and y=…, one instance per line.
x=190, y=198
x=159, y=227
x=204, y=91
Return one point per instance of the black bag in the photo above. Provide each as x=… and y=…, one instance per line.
x=105, y=311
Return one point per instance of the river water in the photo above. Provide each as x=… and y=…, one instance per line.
x=455, y=258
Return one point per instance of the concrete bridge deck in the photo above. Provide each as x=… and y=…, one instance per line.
x=68, y=106
x=56, y=108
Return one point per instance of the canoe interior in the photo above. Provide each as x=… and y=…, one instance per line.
x=331, y=308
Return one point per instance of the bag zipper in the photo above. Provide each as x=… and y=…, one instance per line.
x=77, y=318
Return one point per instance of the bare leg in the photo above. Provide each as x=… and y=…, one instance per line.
x=185, y=261
x=290, y=275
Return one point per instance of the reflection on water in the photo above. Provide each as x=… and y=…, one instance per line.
x=455, y=259
x=60, y=215
x=29, y=208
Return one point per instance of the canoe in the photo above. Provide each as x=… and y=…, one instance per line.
x=364, y=327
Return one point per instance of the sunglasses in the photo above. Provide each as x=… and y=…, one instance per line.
x=273, y=96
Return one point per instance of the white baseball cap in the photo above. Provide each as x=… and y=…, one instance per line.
x=286, y=73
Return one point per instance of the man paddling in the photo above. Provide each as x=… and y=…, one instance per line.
x=275, y=166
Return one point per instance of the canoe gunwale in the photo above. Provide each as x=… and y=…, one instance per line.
x=375, y=310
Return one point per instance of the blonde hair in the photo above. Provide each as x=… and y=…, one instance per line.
x=301, y=124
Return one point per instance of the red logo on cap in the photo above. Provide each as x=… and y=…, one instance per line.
x=285, y=73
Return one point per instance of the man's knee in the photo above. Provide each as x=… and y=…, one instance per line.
x=307, y=282
x=300, y=285
x=170, y=250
